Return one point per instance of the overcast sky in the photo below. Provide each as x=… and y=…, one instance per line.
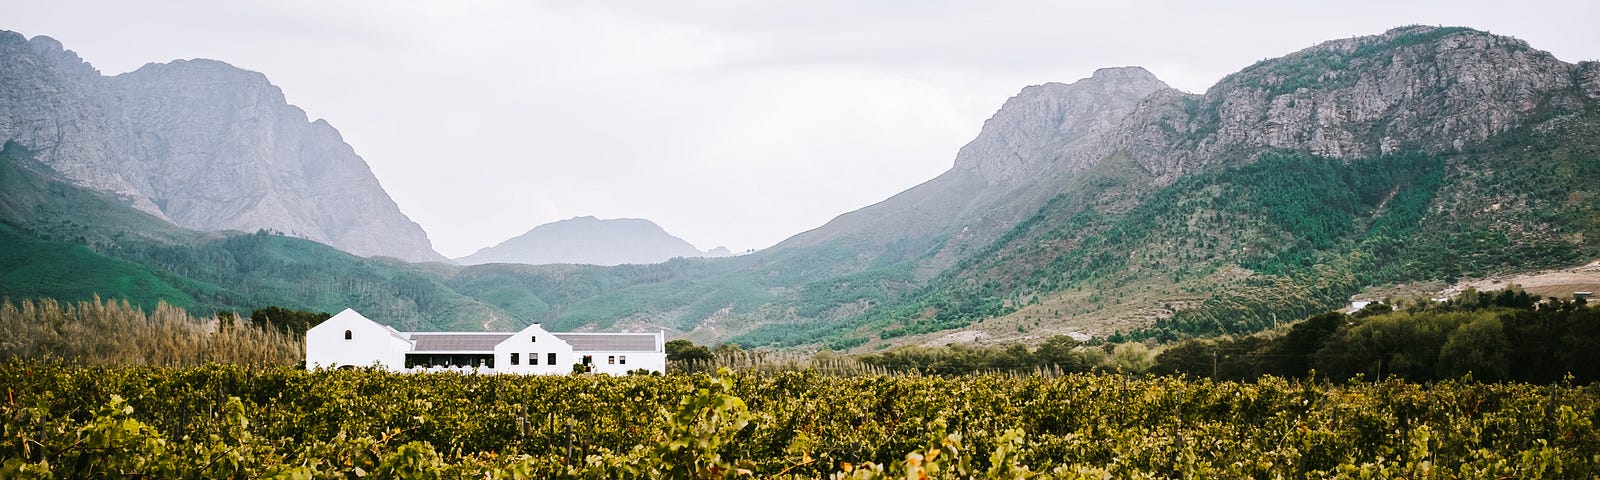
x=733, y=123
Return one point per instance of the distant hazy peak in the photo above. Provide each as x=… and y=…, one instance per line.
x=588, y=240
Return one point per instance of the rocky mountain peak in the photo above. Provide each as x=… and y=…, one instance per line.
x=202, y=143
x=1413, y=88
x=1029, y=131
x=51, y=50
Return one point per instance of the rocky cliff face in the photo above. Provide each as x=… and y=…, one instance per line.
x=50, y=106
x=1036, y=130
x=588, y=240
x=201, y=143
x=1409, y=89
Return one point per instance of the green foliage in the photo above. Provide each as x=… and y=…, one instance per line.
x=1059, y=354
x=686, y=351
x=1490, y=336
x=231, y=422
x=699, y=431
x=287, y=320
x=31, y=268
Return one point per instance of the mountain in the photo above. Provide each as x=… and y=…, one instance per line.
x=1420, y=153
x=201, y=144
x=589, y=241
x=1112, y=206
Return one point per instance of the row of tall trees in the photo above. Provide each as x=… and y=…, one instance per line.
x=111, y=332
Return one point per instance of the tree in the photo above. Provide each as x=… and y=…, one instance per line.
x=1060, y=350
x=1295, y=349
x=287, y=320
x=727, y=349
x=1478, y=347
x=683, y=350
x=1132, y=357
x=1191, y=357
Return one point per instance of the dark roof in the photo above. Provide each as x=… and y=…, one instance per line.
x=610, y=342
x=457, y=342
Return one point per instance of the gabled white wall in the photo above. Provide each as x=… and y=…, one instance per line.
x=534, y=340
x=370, y=343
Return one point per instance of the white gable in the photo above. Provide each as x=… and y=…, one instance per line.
x=533, y=347
x=355, y=340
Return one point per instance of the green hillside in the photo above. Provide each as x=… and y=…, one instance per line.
x=68, y=243
x=31, y=268
x=1276, y=234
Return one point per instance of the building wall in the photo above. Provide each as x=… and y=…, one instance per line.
x=620, y=363
x=369, y=344
x=535, y=341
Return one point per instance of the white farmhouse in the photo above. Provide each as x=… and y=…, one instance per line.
x=350, y=339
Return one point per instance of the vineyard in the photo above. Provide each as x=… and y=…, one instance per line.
x=238, y=422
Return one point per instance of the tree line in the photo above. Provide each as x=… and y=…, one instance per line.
x=1508, y=335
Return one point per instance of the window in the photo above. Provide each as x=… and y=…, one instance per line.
x=588, y=359
x=514, y=358
x=552, y=359
x=533, y=358
x=346, y=334
x=611, y=360
x=622, y=359
x=534, y=339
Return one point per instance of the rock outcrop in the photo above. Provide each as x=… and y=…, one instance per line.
x=201, y=143
x=1415, y=88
